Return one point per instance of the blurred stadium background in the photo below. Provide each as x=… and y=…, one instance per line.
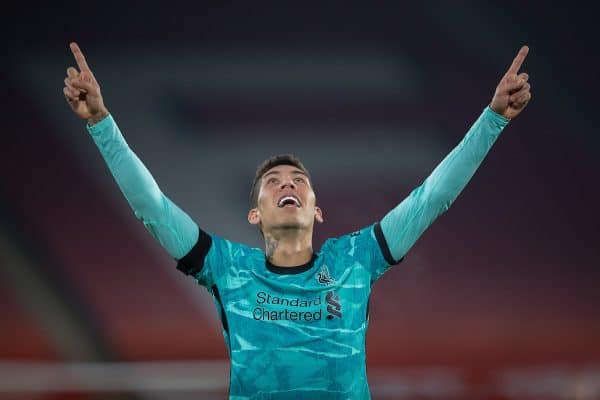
x=498, y=300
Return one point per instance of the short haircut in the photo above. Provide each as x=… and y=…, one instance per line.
x=280, y=159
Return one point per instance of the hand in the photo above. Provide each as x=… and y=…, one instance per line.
x=82, y=90
x=512, y=93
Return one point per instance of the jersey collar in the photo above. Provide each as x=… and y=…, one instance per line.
x=297, y=269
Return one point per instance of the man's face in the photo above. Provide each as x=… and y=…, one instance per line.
x=286, y=200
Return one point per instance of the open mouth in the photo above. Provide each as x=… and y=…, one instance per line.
x=288, y=201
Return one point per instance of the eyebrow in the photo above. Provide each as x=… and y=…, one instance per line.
x=275, y=172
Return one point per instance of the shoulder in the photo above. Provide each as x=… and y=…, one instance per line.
x=350, y=239
x=350, y=247
x=346, y=257
x=367, y=244
x=213, y=249
x=232, y=249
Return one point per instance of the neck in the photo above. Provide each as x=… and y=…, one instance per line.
x=288, y=247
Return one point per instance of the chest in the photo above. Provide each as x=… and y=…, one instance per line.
x=329, y=297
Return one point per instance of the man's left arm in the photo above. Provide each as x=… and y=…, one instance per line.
x=403, y=225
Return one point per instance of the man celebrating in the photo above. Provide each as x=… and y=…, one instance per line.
x=294, y=319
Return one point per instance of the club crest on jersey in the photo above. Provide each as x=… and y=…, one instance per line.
x=323, y=276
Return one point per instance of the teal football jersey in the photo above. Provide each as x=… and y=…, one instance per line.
x=293, y=332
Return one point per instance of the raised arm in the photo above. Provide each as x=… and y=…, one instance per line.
x=171, y=226
x=403, y=225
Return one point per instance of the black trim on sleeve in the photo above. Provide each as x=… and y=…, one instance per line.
x=193, y=261
x=383, y=245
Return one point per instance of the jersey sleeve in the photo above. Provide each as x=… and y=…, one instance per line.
x=167, y=223
x=403, y=225
x=202, y=260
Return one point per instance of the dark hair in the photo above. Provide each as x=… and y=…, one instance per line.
x=280, y=159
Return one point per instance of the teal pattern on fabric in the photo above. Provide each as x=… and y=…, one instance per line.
x=298, y=335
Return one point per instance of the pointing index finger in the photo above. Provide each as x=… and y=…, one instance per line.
x=79, y=58
x=518, y=61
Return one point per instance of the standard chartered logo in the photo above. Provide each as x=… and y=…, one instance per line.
x=273, y=308
x=296, y=309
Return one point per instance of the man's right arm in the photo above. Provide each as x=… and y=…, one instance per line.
x=170, y=225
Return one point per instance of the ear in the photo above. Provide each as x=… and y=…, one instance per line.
x=254, y=216
x=319, y=215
